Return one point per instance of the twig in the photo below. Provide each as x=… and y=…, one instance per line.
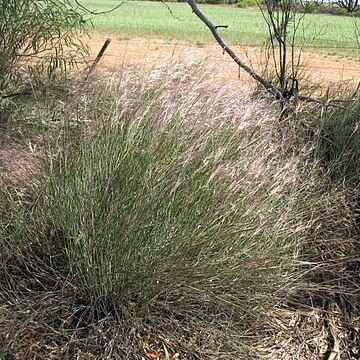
x=327, y=102
x=170, y=11
x=92, y=12
x=20, y=93
x=335, y=351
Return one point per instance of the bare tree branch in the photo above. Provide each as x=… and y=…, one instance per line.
x=266, y=84
x=285, y=102
x=328, y=102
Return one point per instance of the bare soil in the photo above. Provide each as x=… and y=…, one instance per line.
x=318, y=69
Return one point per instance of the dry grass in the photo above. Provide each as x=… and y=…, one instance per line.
x=18, y=164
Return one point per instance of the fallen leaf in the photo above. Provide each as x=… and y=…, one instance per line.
x=26, y=312
x=152, y=355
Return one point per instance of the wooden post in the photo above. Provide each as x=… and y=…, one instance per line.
x=99, y=56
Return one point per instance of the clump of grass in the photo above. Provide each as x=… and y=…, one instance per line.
x=167, y=210
x=172, y=210
x=167, y=192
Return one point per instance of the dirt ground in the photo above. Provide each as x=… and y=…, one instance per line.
x=319, y=69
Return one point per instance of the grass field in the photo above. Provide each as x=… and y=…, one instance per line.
x=246, y=26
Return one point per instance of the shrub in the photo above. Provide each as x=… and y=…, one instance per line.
x=332, y=236
x=246, y=3
x=172, y=201
x=341, y=11
x=339, y=143
x=309, y=7
x=241, y=4
x=37, y=37
x=155, y=210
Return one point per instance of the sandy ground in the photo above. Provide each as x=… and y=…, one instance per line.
x=320, y=70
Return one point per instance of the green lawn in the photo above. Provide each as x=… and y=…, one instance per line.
x=246, y=26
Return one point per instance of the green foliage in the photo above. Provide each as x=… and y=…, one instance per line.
x=283, y=5
x=246, y=3
x=37, y=37
x=144, y=18
x=310, y=7
x=341, y=11
x=214, y=2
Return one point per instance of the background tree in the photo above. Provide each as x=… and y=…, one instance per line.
x=349, y=5
x=283, y=23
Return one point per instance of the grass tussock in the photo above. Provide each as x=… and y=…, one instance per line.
x=172, y=215
x=159, y=198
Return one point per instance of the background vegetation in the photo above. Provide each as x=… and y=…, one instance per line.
x=146, y=18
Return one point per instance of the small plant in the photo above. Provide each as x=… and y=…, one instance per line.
x=246, y=3
x=338, y=143
x=310, y=7
x=341, y=11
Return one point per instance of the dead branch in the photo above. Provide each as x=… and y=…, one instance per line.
x=327, y=102
x=285, y=101
x=20, y=93
x=266, y=84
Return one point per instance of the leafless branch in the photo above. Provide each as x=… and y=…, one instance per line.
x=328, y=102
x=170, y=11
x=266, y=84
x=92, y=12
